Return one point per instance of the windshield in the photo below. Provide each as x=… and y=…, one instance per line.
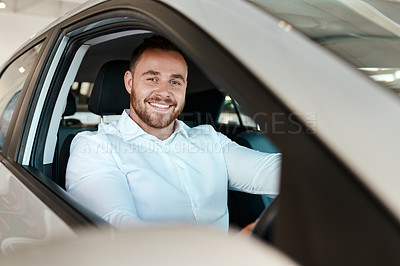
x=365, y=33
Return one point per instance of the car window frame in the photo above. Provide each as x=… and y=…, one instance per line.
x=159, y=21
x=146, y=22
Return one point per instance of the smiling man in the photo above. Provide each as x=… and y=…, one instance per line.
x=149, y=168
x=159, y=80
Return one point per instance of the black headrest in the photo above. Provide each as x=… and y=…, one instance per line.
x=109, y=96
x=202, y=107
x=70, y=109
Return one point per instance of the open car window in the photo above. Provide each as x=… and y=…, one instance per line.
x=206, y=103
x=76, y=69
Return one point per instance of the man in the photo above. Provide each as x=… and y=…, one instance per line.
x=150, y=168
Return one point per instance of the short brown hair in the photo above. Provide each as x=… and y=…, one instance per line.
x=153, y=42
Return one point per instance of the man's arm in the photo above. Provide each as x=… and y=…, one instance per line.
x=94, y=179
x=249, y=170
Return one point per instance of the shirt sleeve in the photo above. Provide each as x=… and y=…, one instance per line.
x=249, y=170
x=94, y=179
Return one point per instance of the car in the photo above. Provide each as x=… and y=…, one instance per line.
x=317, y=81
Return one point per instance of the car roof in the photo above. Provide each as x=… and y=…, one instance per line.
x=73, y=12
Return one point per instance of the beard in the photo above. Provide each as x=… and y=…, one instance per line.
x=155, y=119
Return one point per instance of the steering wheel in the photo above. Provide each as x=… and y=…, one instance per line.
x=265, y=225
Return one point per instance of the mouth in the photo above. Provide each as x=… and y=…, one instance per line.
x=160, y=106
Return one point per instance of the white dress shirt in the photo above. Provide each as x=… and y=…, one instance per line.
x=129, y=177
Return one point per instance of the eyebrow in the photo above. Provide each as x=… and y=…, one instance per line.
x=178, y=76
x=156, y=73
x=151, y=72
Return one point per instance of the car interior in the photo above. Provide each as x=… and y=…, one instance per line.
x=96, y=93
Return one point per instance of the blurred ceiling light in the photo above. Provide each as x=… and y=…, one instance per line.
x=377, y=69
x=285, y=26
x=75, y=86
x=2, y=4
x=384, y=77
x=370, y=68
x=397, y=74
x=21, y=70
x=85, y=88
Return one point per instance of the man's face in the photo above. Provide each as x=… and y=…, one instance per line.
x=157, y=88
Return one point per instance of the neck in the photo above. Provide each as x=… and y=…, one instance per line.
x=160, y=133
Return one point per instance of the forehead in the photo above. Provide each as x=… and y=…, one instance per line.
x=162, y=60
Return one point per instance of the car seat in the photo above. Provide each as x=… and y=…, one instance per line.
x=109, y=97
x=68, y=127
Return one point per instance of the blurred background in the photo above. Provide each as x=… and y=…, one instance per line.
x=21, y=19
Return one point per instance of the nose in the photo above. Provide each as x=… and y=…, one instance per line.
x=162, y=89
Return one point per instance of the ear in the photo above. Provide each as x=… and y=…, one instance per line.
x=128, y=80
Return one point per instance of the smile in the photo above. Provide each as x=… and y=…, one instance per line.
x=158, y=105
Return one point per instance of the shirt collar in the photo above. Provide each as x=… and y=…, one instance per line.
x=130, y=130
x=181, y=127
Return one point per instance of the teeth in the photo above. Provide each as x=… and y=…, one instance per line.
x=159, y=105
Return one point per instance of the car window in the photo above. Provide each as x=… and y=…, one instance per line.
x=11, y=83
x=230, y=113
x=247, y=120
x=81, y=92
x=74, y=84
x=205, y=105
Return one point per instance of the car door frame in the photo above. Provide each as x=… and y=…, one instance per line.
x=156, y=16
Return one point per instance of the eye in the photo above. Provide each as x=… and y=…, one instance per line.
x=175, y=82
x=152, y=79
